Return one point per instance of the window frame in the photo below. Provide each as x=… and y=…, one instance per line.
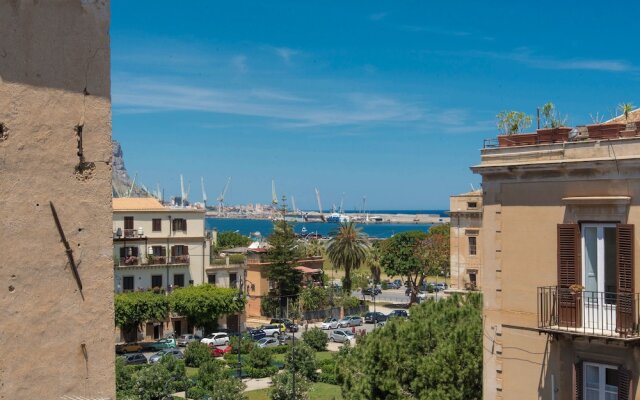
x=156, y=224
x=602, y=374
x=473, y=246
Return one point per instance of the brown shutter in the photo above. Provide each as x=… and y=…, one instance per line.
x=624, y=383
x=123, y=253
x=185, y=250
x=184, y=225
x=624, y=258
x=578, y=382
x=569, y=273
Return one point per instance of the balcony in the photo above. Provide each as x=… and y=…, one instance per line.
x=611, y=315
x=135, y=261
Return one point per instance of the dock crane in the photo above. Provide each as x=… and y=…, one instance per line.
x=319, y=204
x=182, y=195
x=204, y=193
x=133, y=183
x=293, y=204
x=274, y=195
x=220, y=198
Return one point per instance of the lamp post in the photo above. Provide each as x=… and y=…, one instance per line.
x=239, y=299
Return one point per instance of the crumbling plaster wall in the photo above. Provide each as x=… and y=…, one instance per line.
x=57, y=340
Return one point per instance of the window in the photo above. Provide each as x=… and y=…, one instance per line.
x=233, y=280
x=180, y=224
x=472, y=204
x=156, y=281
x=472, y=245
x=157, y=224
x=178, y=280
x=211, y=279
x=159, y=251
x=128, y=222
x=127, y=283
x=600, y=381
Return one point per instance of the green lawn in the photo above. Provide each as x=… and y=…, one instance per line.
x=319, y=391
x=191, y=371
x=320, y=356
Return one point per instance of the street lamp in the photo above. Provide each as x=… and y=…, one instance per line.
x=238, y=298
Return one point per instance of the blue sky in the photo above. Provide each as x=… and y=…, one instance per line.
x=388, y=100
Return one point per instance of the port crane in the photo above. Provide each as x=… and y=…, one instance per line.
x=184, y=196
x=274, y=195
x=220, y=198
x=204, y=193
x=319, y=204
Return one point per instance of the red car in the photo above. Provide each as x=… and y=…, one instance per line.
x=220, y=351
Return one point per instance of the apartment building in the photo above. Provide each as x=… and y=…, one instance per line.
x=561, y=312
x=465, y=235
x=156, y=246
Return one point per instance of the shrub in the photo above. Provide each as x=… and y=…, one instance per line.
x=152, y=383
x=259, y=358
x=196, y=354
x=246, y=344
x=327, y=371
x=279, y=349
x=302, y=359
x=316, y=339
x=124, y=378
x=212, y=382
x=282, y=388
x=258, y=373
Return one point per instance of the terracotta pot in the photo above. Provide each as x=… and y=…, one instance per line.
x=605, y=131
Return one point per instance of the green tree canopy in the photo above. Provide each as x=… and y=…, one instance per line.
x=373, y=262
x=204, y=304
x=227, y=240
x=133, y=308
x=282, y=254
x=436, y=354
x=511, y=122
x=348, y=250
x=400, y=258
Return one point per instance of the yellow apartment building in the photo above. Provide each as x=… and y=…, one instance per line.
x=561, y=312
x=465, y=235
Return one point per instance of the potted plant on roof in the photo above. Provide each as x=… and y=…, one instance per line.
x=632, y=127
x=511, y=123
x=553, y=129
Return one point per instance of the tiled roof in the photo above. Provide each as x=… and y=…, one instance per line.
x=136, y=203
x=634, y=116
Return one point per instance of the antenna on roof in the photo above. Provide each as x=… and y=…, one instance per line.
x=472, y=188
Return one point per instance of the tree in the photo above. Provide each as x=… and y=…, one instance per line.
x=134, y=308
x=227, y=240
x=347, y=250
x=196, y=353
x=204, y=304
x=551, y=117
x=152, y=383
x=373, y=262
x=625, y=109
x=314, y=248
x=434, y=252
x=360, y=281
x=282, y=254
x=437, y=354
x=283, y=387
x=316, y=339
x=301, y=359
x=399, y=258
x=314, y=298
x=511, y=122
x=212, y=383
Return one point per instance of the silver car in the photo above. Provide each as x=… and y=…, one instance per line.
x=175, y=353
x=341, y=336
x=268, y=342
x=184, y=340
x=350, y=320
x=329, y=323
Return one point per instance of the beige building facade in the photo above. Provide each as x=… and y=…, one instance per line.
x=465, y=240
x=560, y=279
x=56, y=305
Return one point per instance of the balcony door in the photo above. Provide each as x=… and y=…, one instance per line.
x=599, y=276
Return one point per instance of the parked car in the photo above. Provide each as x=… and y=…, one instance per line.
x=374, y=317
x=271, y=330
x=350, y=320
x=394, y=285
x=216, y=339
x=329, y=323
x=268, y=342
x=134, y=359
x=341, y=336
x=221, y=351
x=184, y=340
x=291, y=327
x=440, y=286
x=175, y=353
x=371, y=291
x=128, y=348
x=285, y=339
x=257, y=334
x=161, y=344
x=398, y=314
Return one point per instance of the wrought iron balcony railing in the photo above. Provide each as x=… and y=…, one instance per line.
x=132, y=261
x=587, y=313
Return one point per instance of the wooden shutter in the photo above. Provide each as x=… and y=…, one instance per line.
x=128, y=222
x=569, y=273
x=624, y=259
x=624, y=383
x=185, y=250
x=578, y=382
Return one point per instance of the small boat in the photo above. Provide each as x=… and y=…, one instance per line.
x=337, y=218
x=304, y=230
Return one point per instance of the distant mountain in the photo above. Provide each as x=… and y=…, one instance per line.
x=121, y=182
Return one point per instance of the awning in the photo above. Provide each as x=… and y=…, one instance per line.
x=306, y=270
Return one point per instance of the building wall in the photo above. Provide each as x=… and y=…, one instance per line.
x=466, y=222
x=195, y=222
x=54, y=78
x=522, y=208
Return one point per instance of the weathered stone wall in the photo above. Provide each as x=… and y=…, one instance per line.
x=57, y=340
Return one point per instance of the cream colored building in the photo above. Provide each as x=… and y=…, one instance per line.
x=561, y=312
x=465, y=236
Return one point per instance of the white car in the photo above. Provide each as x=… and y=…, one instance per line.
x=272, y=330
x=216, y=339
x=329, y=323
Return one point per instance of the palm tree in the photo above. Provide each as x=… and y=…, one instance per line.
x=347, y=250
x=373, y=262
x=625, y=109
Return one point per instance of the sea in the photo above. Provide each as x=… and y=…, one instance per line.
x=248, y=227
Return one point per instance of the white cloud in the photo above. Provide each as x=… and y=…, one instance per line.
x=239, y=63
x=285, y=53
